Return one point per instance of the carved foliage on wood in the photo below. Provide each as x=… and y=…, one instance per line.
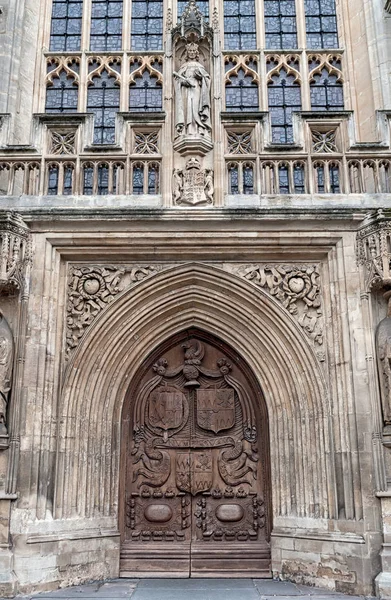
x=91, y=289
x=296, y=287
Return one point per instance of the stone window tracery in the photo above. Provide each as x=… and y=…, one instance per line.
x=103, y=98
x=284, y=96
x=325, y=77
x=62, y=85
x=241, y=84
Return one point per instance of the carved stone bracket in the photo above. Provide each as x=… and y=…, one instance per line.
x=91, y=289
x=373, y=246
x=297, y=287
x=15, y=253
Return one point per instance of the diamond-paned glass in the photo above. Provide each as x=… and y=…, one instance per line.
x=239, y=25
x=321, y=24
x=280, y=24
x=103, y=98
x=66, y=25
x=241, y=93
x=147, y=25
x=106, y=25
x=284, y=97
x=62, y=94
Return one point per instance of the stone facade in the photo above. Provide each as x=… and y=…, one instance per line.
x=195, y=219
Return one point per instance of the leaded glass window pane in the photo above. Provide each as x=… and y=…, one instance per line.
x=103, y=180
x=283, y=177
x=62, y=94
x=68, y=181
x=103, y=98
x=239, y=25
x=53, y=180
x=88, y=180
x=334, y=179
x=65, y=33
x=145, y=93
x=326, y=92
x=233, y=175
x=147, y=25
x=321, y=24
x=153, y=179
x=284, y=96
x=203, y=5
x=280, y=24
x=299, y=179
x=106, y=25
x=241, y=92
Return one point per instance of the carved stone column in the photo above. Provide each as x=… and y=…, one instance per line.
x=15, y=265
x=374, y=256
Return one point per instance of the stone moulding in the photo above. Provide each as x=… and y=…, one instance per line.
x=91, y=288
x=15, y=252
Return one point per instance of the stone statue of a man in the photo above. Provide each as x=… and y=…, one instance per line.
x=383, y=342
x=6, y=360
x=192, y=96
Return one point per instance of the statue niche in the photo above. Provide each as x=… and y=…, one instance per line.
x=192, y=86
x=6, y=363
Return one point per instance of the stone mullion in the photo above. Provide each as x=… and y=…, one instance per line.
x=300, y=23
x=260, y=24
x=126, y=25
x=86, y=26
x=262, y=70
x=219, y=162
x=41, y=65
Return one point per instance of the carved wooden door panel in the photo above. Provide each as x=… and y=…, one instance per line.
x=196, y=485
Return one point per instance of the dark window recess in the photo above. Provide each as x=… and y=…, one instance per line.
x=68, y=181
x=334, y=179
x=299, y=179
x=145, y=94
x=326, y=92
x=106, y=25
x=239, y=25
x=62, y=94
x=248, y=179
x=138, y=179
x=284, y=96
x=65, y=33
x=280, y=24
x=53, y=180
x=147, y=25
x=103, y=98
x=321, y=24
x=88, y=180
x=153, y=179
x=241, y=92
x=103, y=180
x=233, y=179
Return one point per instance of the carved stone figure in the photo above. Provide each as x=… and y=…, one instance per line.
x=192, y=96
x=383, y=343
x=6, y=360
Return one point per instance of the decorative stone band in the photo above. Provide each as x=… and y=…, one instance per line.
x=373, y=247
x=91, y=288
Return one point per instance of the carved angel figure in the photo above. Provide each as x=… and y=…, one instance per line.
x=192, y=96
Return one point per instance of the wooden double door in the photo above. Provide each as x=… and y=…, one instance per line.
x=195, y=465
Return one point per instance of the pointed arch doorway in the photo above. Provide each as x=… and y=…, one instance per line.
x=195, y=498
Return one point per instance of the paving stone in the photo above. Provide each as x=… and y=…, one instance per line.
x=277, y=588
x=196, y=584
x=196, y=594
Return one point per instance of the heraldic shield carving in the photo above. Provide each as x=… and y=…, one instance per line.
x=194, y=474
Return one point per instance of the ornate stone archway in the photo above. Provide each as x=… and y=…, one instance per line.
x=246, y=318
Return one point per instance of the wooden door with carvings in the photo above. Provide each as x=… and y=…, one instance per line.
x=195, y=486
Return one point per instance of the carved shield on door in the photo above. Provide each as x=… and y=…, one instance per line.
x=194, y=471
x=216, y=409
x=166, y=407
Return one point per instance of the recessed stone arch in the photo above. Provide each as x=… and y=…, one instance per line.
x=243, y=316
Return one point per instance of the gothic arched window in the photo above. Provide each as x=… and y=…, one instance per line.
x=241, y=87
x=284, y=97
x=145, y=92
x=326, y=89
x=103, y=99
x=62, y=87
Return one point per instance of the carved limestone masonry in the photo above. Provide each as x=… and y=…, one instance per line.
x=297, y=287
x=373, y=246
x=383, y=344
x=91, y=289
x=6, y=364
x=193, y=185
x=15, y=253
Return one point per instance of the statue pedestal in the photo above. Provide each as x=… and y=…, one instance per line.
x=193, y=144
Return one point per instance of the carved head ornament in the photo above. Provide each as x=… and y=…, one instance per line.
x=192, y=52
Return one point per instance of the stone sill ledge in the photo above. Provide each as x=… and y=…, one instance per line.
x=78, y=535
x=327, y=536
